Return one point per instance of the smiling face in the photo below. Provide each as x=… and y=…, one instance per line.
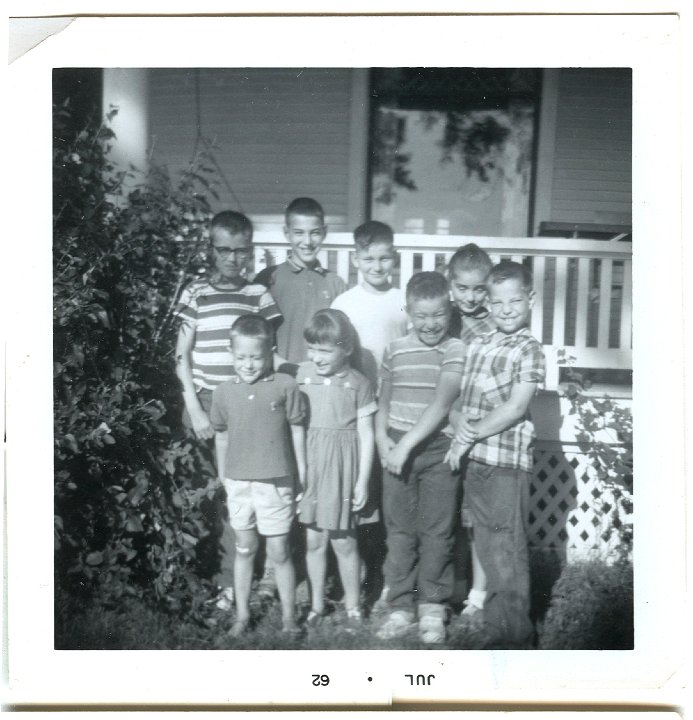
x=375, y=264
x=305, y=234
x=468, y=289
x=230, y=254
x=510, y=305
x=252, y=357
x=328, y=358
x=430, y=318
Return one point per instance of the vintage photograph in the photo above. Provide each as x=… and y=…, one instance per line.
x=342, y=358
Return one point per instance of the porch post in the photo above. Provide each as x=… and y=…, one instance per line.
x=546, y=147
x=357, y=202
x=128, y=90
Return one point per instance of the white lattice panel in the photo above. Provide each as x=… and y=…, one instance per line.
x=570, y=510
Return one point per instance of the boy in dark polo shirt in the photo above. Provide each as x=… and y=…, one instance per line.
x=301, y=286
x=258, y=415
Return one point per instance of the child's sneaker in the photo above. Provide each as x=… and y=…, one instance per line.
x=399, y=623
x=432, y=617
x=354, y=620
x=431, y=629
x=224, y=600
x=314, y=620
x=472, y=615
x=381, y=604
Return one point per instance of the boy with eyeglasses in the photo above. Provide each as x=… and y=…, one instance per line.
x=208, y=307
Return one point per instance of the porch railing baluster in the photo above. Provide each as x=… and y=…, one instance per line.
x=568, y=308
x=605, y=292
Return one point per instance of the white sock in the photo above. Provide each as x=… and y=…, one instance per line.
x=477, y=598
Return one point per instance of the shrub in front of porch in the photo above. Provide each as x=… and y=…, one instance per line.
x=591, y=608
x=128, y=487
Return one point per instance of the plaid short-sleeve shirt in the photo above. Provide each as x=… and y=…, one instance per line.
x=494, y=363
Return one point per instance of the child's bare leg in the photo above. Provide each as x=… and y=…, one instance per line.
x=349, y=563
x=246, y=547
x=479, y=576
x=316, y=564
x=279, y=555
x=477, y=594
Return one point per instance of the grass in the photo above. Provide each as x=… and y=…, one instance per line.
x=584, y=606
x=135, y=625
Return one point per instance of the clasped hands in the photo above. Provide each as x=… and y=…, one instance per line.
x=394, y=455
x=466, y=435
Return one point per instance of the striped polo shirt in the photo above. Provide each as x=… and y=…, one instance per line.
x=412, y=369
x=212, y=310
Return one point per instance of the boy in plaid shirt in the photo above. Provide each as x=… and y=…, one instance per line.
x=503, y=370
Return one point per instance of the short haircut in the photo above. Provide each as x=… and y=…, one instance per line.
x=253, y=326
x=508, y=270
x=469, y=257
x=427, y=285
x=331, y=327
x=304, y=206
x=233, y=222
x=372, y=232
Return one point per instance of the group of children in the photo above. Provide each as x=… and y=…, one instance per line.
x=326, y=392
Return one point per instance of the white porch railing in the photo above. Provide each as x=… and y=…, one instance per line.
x=583, y=287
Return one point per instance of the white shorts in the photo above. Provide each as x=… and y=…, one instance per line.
x=267, y=505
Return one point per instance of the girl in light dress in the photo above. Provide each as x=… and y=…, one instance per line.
x=340, y=448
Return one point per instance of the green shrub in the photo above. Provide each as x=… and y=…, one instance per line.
x=604, y=431
x=128, y=483
x=591, y=608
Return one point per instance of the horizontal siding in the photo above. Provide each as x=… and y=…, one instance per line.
x=280, y=133
x=592, y=171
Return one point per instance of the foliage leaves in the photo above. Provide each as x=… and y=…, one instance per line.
x=604, y=431
x=591, y=608
x=129, y=485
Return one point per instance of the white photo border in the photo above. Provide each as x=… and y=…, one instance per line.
x=36, y=673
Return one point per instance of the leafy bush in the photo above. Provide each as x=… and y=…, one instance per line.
x=591, y=608
x=128, y=483
x=604, y=431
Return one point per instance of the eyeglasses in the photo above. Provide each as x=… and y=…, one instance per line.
x=224, y=252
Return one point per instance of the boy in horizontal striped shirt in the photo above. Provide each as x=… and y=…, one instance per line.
x=421, y=376
x=207, y=309
x=502, y=371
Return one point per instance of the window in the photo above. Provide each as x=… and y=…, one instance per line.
x=452, y=149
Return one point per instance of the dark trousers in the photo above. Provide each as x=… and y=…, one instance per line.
x=498, y=502
x=420, y=508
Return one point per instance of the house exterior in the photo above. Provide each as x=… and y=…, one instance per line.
x=284, y=132
x=552, y=188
